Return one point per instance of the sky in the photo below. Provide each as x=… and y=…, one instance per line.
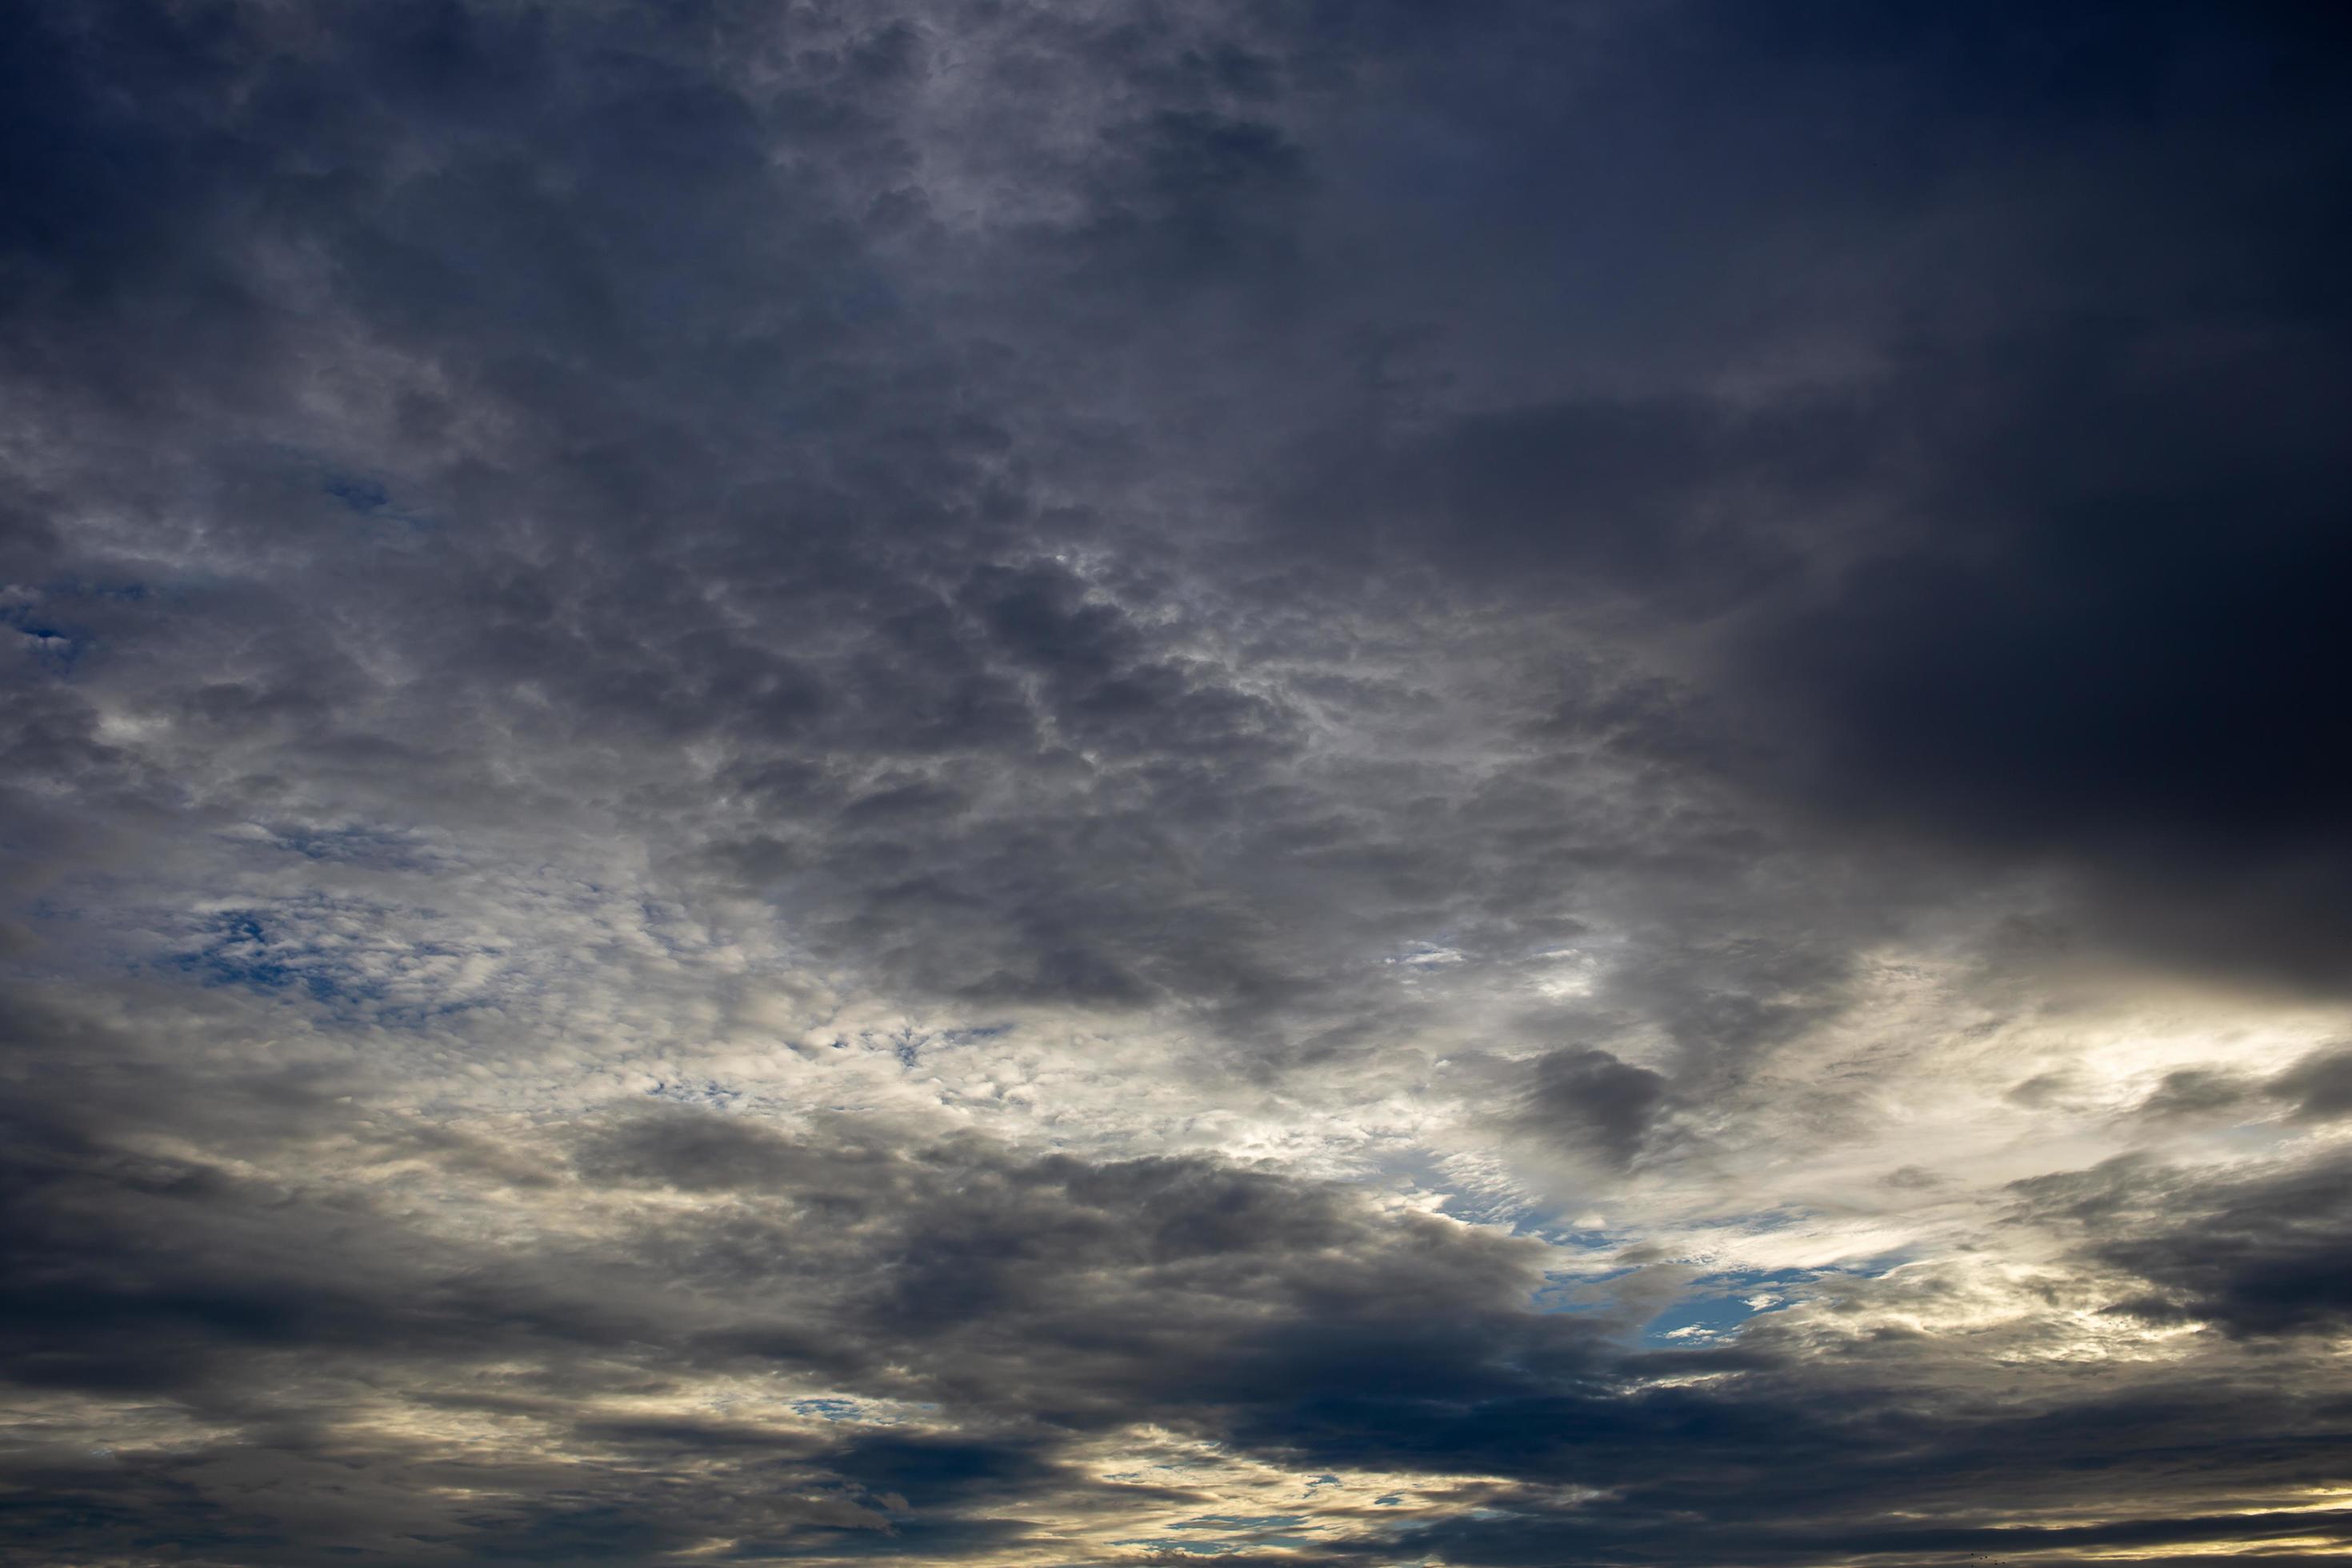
x=1342, y=784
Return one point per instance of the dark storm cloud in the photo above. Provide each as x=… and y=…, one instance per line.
x=2320, y=1084
x=2109, y=642
x=2052, y=579
x=2111, y=649
x=2318, y=1088
x=1278, y=523
x=674, y=303
x=1589, y=1097
x=1028, y=1301
x=728, y=466
x=2196, y=1091
x=2260, y=1255
x=1031, y=1303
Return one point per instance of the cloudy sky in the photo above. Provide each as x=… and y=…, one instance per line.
x=1065, y=783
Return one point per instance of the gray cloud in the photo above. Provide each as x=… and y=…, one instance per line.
x=833, y=782
x=1020, y=1309
x=2256, y=1255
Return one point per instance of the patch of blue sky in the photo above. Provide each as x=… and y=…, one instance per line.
x=241, y=953
x=50, y=648
x=368, y=499
x=708, y=1092
x=249, y=965
x=1252, y=1521
x=829, y=1410
x=364, y=498
x=1718, y=1306
x=1470, y=1195
x=255, y=952
x=362, y=494
x=665, y=924
x=1570, y=1235
x=1546, y=1225
x=909, y=1044
x=46, y=631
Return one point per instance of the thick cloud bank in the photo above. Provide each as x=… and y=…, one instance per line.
x=1060, y=784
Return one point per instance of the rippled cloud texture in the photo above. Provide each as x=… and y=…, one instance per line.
x=1068, y=784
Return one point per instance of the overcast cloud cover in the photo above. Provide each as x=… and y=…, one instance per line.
x=1065, y=783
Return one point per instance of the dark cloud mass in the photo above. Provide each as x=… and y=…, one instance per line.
x=1060, y=784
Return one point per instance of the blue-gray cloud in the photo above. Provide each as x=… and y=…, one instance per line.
x=833, y=782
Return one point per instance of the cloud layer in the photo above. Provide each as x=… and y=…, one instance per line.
x=1038, y=783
